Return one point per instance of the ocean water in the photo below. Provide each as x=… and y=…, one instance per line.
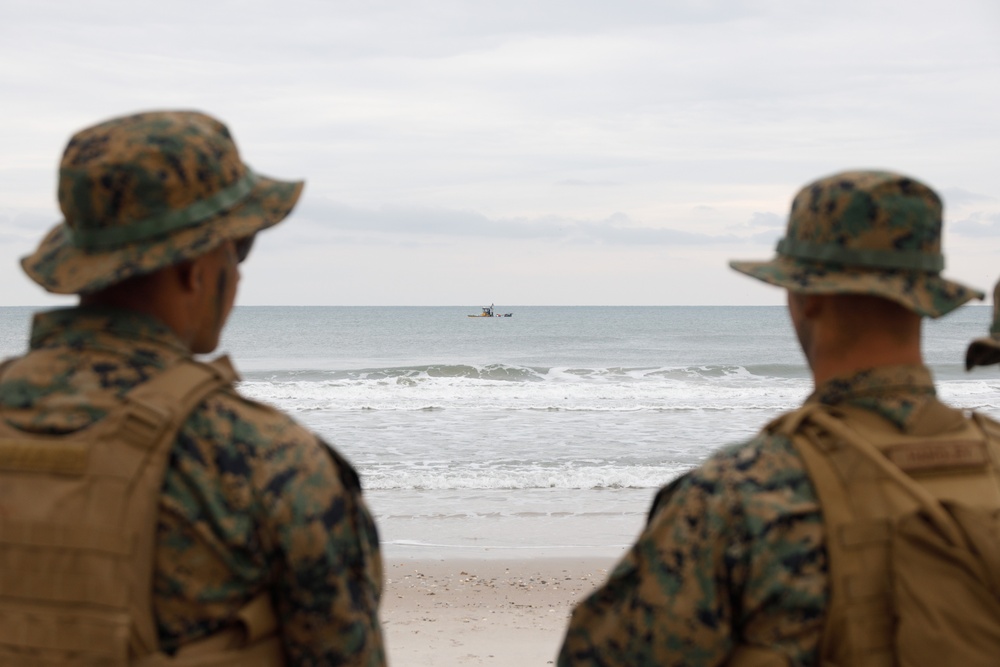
x=544, y=433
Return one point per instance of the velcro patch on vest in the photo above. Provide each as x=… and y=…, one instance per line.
x=918, y=457
x=64, y=458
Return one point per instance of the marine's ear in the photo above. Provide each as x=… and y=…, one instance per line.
x=813, y=305
x=189, y=275
x=808, y=306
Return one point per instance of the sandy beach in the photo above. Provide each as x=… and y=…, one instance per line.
x=498, y=612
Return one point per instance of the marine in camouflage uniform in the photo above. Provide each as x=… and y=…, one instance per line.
x=252, y=502
x=732, y=559
x=986, y=351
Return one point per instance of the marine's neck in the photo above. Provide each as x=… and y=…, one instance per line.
x=873, y=354
x=159, y=295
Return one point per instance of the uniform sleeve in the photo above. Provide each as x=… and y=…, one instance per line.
x=731, y=555
x=328, y=569
x=254, y=502
x=666, y=603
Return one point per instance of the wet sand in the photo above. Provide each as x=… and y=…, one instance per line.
x=504, y=613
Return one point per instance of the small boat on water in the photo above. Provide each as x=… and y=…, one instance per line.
x=488, y=312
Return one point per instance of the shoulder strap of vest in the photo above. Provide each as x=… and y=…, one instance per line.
x=835, y=507
x=155, y=411
x=171, y=395
x=819, y=415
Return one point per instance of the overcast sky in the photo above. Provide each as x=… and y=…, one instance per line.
x=525, y=151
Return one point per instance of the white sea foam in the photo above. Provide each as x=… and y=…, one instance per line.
x=519, y=475
x=557, y=388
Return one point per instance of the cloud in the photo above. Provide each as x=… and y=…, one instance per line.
x=959, y=197
x=772, y=224
x=23, y=225
x=770, y=220
x=580, y=183
x=978, y=225
x=769, y=238
x=324, y=217
x=445, y=125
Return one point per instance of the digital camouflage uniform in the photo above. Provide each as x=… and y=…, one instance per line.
x=733, y=553
x=733, y=545
x=251, y=502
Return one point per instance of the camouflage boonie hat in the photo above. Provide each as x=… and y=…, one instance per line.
x=986, y=351
x=142, y=192
x=865, y=232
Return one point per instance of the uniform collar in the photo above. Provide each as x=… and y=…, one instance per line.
x=895, y=392
x=101, y=327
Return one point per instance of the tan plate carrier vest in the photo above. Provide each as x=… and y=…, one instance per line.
x=77, y=527
x=912, y=532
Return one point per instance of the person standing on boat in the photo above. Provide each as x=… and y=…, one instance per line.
x=150, y=514
x=822, y=540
